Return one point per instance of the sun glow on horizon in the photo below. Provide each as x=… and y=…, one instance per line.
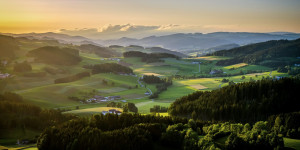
x=197, y=16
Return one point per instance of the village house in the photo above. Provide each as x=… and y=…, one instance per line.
x=112, y=111
x=104, y=112
x=98, y=99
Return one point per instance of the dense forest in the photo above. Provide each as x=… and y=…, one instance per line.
x=262, y=53
x=242, y=102
x=55, y=55
x=149, y=58
x=287, y=124
x=16, y=113
x=145, y=132
x=109, y=68
x=100, y=51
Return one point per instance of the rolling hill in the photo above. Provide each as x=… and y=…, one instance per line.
x=199, y=41
x=270, y=53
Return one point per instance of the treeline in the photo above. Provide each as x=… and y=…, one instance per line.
x=243, y=102
x=149, y=58
x=114, y=104
x=162, y=84
x=221, y=136
x=15, y=113
x=160, y=88
x=107, y=132
x=288, y=69
x=109, y=68
x=55, y=55
x=152, y=79
x=157, y=108
x=134, y=131
x=260, y=52
x=72, y=78
x=287, y=124
x=100, y=51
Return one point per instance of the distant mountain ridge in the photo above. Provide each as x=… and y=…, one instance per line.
x=62, y=38
x=179, y=42
x=199, y=41
x=271, y=53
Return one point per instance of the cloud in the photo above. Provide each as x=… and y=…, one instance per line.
x=117, y=31
x=139, y=31
x=126, y=28
x=83, y=31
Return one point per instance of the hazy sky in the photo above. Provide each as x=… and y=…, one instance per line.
x=18, y=16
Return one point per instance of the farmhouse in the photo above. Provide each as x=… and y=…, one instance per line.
x=278, y=77
x=104, y=112
x=114, y=111
x=98, y=99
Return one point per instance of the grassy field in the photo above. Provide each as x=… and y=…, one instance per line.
x=236, y=65
x=39, y=93
x=292, y=143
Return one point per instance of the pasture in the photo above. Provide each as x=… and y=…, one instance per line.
x=292, y=143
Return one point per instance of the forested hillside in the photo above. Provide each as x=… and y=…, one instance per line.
x=8, y=46
x=56, y=55
x=243, y=102
x=100, y=51
x=262, y=53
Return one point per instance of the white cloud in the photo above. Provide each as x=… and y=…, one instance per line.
x=139, y=31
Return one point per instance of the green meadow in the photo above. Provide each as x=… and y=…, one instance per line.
x=43, y=92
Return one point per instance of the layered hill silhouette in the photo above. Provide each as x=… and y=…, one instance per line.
x=270, y=53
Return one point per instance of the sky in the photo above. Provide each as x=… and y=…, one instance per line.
x=109, y=18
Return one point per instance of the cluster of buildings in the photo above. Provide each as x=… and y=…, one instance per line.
x=97, y=99
x=112, y=111
x=114, y=59
x=5, y=75
x=128, y=74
